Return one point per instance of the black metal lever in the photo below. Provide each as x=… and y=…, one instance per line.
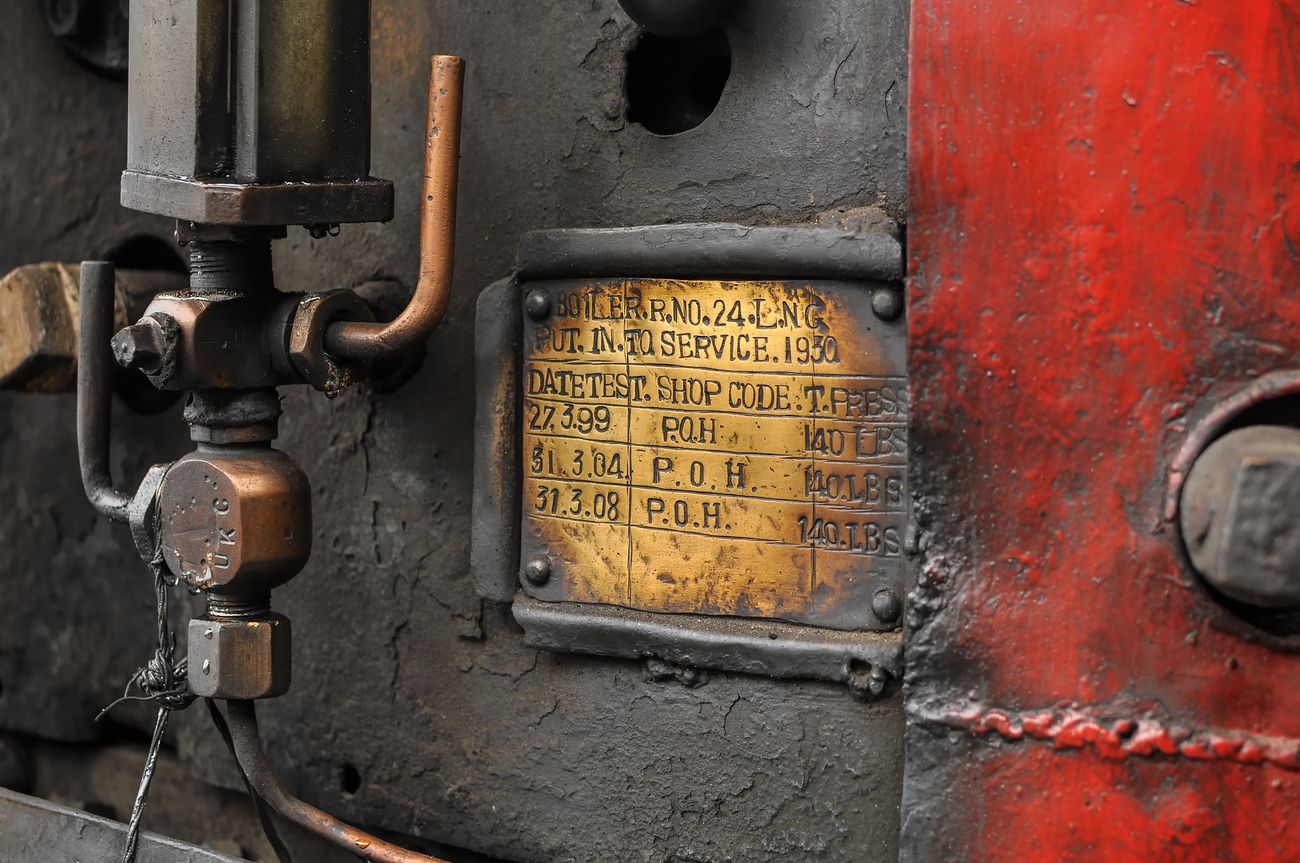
x=94, y=389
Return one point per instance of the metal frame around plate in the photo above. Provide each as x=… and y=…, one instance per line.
x=757, y=646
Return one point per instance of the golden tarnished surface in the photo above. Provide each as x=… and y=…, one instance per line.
x=715, y=447
x=38, y=324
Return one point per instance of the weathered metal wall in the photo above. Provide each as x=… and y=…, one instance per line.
x=1103, y=240
x=454, y=729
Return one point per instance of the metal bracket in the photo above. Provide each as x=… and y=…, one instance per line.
x=767, y=647
x=35, y=829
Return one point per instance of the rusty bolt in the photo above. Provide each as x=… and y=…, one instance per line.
x=142, y=345
x=537, y=304
x=538, y=571
x=1240, y=515
x=240, y=658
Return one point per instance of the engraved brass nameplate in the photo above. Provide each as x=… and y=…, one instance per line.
x=715, y=447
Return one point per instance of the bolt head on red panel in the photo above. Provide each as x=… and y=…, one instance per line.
x=1240, y=515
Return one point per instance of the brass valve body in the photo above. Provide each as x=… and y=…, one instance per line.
x=235, y=519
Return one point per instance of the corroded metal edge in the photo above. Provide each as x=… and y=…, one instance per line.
x=752, y=646
x=494, y=531
x=36, y=829
x=216, y=203
x=682, y=251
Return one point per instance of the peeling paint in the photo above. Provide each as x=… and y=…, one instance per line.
x=1119, y=738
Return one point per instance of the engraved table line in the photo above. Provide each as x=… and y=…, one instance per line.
x=673, y=530
x=681, y=447
x=837, y=505
x=702, y=368
x=627, y=367
x=791, y=415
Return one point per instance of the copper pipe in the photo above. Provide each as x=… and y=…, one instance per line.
x=356, y=340
x=242, y=721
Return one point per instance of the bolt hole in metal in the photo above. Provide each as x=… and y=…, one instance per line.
x=673, y=85
x=349, y=779
x=92, y=31
x=1243, y=447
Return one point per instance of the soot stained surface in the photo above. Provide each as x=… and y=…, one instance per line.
x=454, y=729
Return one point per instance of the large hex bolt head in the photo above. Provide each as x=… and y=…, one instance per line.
x=1240, y=515
x=39, y=322
x=236, y=519
x=234, y=658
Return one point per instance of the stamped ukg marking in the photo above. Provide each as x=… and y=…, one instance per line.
x=715, y=447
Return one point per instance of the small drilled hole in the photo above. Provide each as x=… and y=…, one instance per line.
x=674, y=84
x=349, y=779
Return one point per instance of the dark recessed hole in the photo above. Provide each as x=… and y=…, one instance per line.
x=146, y=252
x=1282, y=623
x=674, y=84
x=1280, y=411
x=349, y=779
x=92, y=31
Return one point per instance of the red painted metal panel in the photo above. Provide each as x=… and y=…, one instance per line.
x=1104, y=239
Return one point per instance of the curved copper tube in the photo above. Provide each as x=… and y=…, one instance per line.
x=358, y=340
x=242, y=721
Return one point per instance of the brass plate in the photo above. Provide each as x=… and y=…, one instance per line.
x=715, y=447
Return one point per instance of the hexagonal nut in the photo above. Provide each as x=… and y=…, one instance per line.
x=148, y=345
x=237, y=519
x=1240, y=515
x=315, y=312
x=142, y=512
x=240, y=658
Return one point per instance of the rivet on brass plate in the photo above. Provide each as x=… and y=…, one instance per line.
x=537, y=304
x=886, y=605
x=538, y=571
x=887, y=304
